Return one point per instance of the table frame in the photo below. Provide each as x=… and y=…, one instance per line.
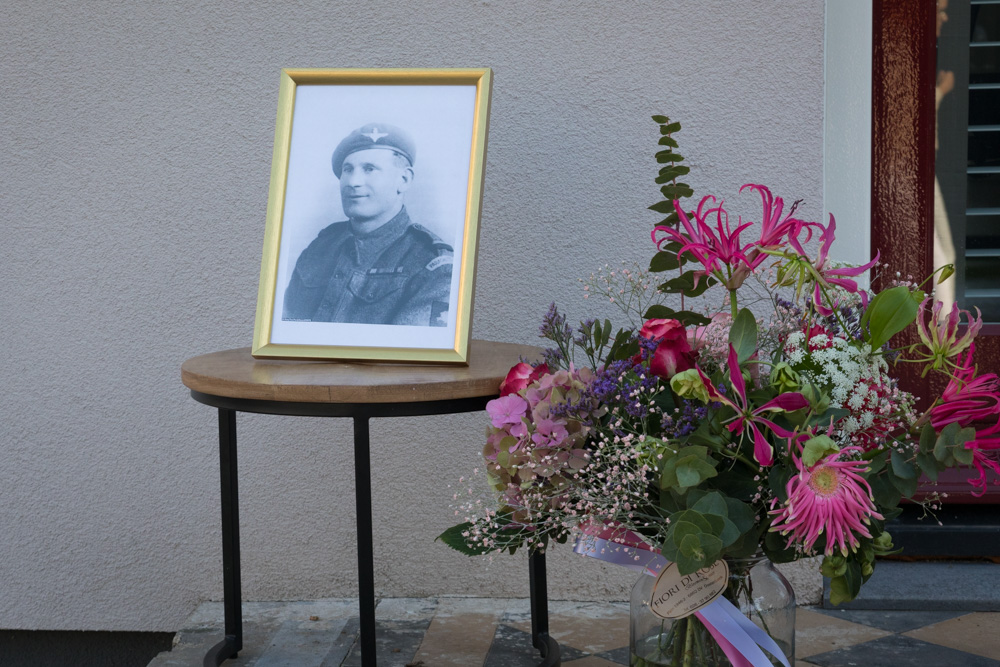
x=361, y=413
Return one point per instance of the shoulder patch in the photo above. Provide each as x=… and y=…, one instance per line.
x=439, y=261
x=429, y=235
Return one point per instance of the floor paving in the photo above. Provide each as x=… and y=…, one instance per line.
x=485, y=632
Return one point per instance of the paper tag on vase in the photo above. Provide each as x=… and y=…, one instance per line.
x=677, y=595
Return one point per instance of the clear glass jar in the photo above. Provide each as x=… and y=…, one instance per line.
x=755, y=587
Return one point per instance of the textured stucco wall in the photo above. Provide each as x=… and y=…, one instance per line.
x=136, y=156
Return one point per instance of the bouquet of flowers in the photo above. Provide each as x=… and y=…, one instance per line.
x=762, y=416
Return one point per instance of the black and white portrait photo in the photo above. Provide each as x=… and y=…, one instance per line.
x=378, y=266
x=375, y=220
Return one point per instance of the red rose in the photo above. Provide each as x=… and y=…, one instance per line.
x=520, y=376
x=673, y=352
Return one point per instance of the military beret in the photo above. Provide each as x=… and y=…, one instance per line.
x=374, y=135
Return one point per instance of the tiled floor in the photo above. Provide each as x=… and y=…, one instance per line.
x=474, y=632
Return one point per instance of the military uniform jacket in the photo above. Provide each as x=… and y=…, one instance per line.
x=399, y=273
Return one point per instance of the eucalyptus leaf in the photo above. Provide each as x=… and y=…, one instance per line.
x=676, y=191
x=901, y=467
x=662, y=206
x=664, y=261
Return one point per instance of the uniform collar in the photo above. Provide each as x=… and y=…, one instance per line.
x=389, y=230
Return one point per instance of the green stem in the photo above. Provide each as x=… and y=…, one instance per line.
x=689, y=644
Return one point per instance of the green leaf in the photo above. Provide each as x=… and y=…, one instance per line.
x=901, y=467
x=963, y=455
x=816, y=448
x=878, y=463
x=663, y=206
x=712, y=502
x=833, y=566
x=688, y=475
x=945, y=443
x=668, y=156
x=671, y=128
x=453, y=538
x=927, y=438
x=890, y=312
x=743, y=334
x=665, y=260
x=776, y=550
x=659, y=312
x=676, y=191
x=928, y=465
x=840, y=592
x=667, y=141
x=671, y=172
x=684, y=284
x=906, y=487
x=660, y=119
x=685, y=317
x=740, y=514
x=885, y=494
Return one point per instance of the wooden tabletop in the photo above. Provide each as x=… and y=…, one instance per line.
x=236, y=374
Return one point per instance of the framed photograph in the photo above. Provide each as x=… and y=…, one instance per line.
x=373, y=215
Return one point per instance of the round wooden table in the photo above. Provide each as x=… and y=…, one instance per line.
x=233, y=381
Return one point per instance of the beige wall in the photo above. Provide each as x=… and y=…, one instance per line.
x=135, y=161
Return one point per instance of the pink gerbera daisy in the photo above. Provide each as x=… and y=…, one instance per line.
x=829, y=497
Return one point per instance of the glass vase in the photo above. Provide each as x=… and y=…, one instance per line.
x=755, y=587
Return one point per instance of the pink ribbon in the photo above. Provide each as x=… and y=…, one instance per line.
x=736, y=635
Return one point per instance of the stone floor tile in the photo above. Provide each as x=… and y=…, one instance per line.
x=893, y=621
x=302, y=643
x=591, y=630
x=977, y=633
x=460, y=633
x=512, y=648
x=900, y=651
x=818, y=633
x=619, y=656
x=405, y=609
x=396, y=643
x=342, y=643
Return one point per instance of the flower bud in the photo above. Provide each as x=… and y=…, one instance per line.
x=785, y=378
x=688, y=384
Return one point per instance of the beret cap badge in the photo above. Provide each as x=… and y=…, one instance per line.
x=374, y=135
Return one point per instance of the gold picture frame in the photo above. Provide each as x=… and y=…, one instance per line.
x=339, y=278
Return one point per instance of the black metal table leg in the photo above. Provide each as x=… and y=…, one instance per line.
x=366, y=551
x=233, y=642
x=540, y=639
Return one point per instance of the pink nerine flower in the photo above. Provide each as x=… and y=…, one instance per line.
x=822, y=274
x=774, y=228
x=830, y=497
x=968, y=400
x=941, y=335
x=713, y=248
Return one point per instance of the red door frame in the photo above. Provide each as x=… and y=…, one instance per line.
x=904, y=62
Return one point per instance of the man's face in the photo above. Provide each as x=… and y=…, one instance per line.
x=372, y=183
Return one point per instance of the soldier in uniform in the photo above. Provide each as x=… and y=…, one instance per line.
x=376, y=267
